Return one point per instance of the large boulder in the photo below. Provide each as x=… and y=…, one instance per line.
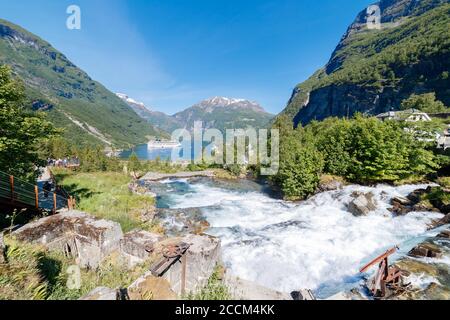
x=201, y=259
x=362, y=204
x=137, y=246
x=76, y=234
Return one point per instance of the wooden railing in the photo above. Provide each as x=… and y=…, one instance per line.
x=20, y=193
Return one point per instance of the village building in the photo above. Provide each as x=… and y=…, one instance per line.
x=410, y=115
x=444, y=140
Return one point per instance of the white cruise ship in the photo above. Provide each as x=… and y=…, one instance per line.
x=159, y=144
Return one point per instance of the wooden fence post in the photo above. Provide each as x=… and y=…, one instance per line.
x=54, y=203
x=36, y=196
x=11, y=184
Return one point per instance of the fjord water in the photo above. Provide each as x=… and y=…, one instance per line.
x=144, y=153
x=316, y=244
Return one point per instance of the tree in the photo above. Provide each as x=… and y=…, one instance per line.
x=425, y=102
x=301, y=166
x=21, y=131
x=134, y=165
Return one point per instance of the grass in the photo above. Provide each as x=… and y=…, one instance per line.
x=34, y=273
x=106, y=195
x=414, y=179
x=444, y=182
x=215, y=289
x=438, y=196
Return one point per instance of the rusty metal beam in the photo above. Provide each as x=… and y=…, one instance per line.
x=378, y=259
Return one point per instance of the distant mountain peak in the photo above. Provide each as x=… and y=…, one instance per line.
x=127, y=99
x=223, y=102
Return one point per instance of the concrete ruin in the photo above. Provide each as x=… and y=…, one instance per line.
x=200, y=259
x=76, y=234
x=241, y=289
x=101, y=294
x=137, y=246
x=149, y=287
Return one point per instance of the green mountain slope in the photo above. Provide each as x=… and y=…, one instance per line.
x=161, y=121
x=83, y=107
x=372, y=71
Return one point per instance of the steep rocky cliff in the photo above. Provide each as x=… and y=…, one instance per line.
x=87, y=111
x=372, y=71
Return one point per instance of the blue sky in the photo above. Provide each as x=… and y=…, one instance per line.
x=171, y=54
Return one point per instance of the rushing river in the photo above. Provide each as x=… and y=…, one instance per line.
x=316, y=244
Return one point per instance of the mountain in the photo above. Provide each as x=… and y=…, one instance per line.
x=225, y=113
x=218, y=112
x=83, y=107
x=161, y=121
x=373, y=70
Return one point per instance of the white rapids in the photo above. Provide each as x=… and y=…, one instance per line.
x=316, y=244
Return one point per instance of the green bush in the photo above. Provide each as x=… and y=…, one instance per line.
x=425, y=102
x=301, y=165
x=363, y=150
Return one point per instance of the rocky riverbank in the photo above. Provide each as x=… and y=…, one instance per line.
x=271, y=249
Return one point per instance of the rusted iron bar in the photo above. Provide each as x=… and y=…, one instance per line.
x=386, y=276
x=171, y=254
x=378, y=259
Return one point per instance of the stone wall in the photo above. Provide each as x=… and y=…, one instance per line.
x=76, y=234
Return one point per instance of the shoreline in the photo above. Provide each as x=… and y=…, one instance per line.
x=156, y=176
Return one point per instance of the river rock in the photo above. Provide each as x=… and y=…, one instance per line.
x=137, y=245
x=444, y=234
x=416, y=195
x=201, y=259
x=362, y=204
x=401, y=206
x=303, y=295
x=330, y=183
x=101, y=294
x=439, y=223
x=149, y=287
x=2, y=249
x=241, y=289
x=178, y=222
x=76, y=234
x=426, y=250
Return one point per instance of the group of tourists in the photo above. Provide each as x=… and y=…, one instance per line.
x=64, y=163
